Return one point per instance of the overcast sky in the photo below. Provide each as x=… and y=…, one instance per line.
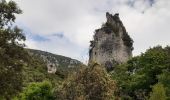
x=65, y=27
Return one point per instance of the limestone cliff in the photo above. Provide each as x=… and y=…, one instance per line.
x=112, y=44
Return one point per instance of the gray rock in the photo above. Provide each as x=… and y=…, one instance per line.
x=51, y=68
x=112, y=44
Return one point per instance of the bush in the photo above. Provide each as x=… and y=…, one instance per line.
x=158, y=92
x=38, y=91
x=91, y=83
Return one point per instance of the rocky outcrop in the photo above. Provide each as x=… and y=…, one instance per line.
x=112, y=44
x=52, y=68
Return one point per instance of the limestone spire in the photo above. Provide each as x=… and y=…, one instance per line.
x=112, y=44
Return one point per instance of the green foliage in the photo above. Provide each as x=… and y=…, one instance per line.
x=7, y=12
x=136, y=77
x=18, y=68
x=38, y=91
x=158, y=92
x=62, y=63
x=12, y=54
x=37, y=72
x=91, y=83
x=127, y=40
x=135, y=80
x=164, y=79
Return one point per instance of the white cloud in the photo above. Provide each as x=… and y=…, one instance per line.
x=77, y=19
x=151, y=28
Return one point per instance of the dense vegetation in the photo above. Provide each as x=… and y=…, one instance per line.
x=17, y=67
x=24, y=76
x=91, y=83
x=145, y=75
x=37, y=91
x=64, y=64
x=11, y=51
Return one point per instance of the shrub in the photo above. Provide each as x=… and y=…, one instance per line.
x=158, y=92
x=91, y=83
x=38, y=91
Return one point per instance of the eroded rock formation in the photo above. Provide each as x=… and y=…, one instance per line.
x=51, y=68
x=112, y=44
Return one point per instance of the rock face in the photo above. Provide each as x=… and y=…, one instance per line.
x=51, y=68
x=112, y=44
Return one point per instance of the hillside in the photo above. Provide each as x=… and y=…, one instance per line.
x=60, y=62
x=37, y=69
x=52, y=63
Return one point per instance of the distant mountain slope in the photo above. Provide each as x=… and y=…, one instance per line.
x=61, y=63
x=37, y=69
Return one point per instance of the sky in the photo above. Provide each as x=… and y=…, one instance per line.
x=65, y=27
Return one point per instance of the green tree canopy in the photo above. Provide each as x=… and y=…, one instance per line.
x=139, y=74
x=12, y=54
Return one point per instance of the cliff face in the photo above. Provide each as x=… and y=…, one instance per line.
x=112, y=44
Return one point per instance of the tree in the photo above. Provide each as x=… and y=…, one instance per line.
x=91, y=83
x=12, y=54
x=136, y=77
